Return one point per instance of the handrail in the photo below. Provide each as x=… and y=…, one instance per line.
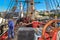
x=5, y=31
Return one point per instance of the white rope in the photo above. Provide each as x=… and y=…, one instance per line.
x=58, y=35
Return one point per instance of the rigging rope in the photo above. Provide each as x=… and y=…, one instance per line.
x=15, y=6
x=57, y=3
x=46, y=4
x=54, y=3
x=51, y=4
x=9, y=6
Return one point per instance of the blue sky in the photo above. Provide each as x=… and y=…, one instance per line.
x=4, y=5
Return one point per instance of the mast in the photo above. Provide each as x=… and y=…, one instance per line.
x=21, y=10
